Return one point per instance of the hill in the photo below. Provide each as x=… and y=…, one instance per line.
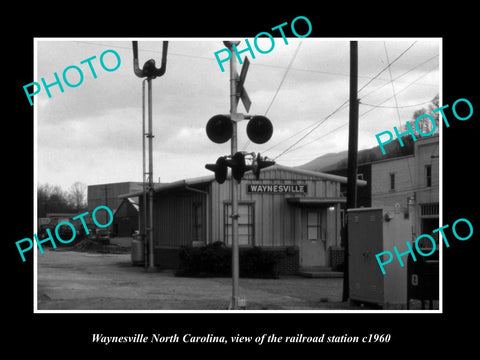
x=335, y=161
x=324, y=161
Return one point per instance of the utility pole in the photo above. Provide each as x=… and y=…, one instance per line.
x=105, y=189
x=352, y=159
x=233, y=182
x=144, y=182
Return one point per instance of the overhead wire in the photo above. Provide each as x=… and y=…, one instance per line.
x=279, y=85
x=346, y=101
x=396, y=105
x=289, y=67
x=398, y=92
x=313, y=129
x=387, y=67
x=360, y=116
x=369, y=110
x=284, y=77
x=401, y=75
x=211, y=58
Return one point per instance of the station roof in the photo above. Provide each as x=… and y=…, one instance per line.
x=315, y=201
x=185, y=183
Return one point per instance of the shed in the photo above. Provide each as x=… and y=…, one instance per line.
x=125, y=217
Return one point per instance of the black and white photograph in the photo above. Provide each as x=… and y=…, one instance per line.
x=273, y=182
x=172, y=233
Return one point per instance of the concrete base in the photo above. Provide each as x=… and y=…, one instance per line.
x=319, y=272
x=152, y=269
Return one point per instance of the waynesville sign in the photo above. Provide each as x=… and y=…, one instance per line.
x=276, y=188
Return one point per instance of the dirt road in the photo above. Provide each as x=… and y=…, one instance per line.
x=70, y=280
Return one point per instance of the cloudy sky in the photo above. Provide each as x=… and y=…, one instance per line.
x=93, y=133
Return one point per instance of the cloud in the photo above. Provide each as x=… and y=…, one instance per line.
x=93, y=132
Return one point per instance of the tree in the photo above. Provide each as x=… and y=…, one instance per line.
x=52, y=199
x=424, y=124
x=77, y=196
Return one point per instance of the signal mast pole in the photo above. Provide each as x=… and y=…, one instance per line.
x=150, y=72
x=220, y=129
x=233, y=182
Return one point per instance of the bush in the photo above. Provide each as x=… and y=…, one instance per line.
x=258, y=263
x=210, y=260
x=216, y=260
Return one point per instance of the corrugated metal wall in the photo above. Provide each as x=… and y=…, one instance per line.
x=276, y=222
x=174, y=217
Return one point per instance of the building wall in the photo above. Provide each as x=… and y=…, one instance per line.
x=173, y=218
x=277, y=225
x=404, y=170
x=277, y=221
x=426, y=153
x=412, y=193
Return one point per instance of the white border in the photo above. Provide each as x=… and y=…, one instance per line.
x=333, y=311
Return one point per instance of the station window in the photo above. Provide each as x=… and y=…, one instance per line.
x=245, y=224
x=392, y=181
x=313, y=225
x=198, y=222
x=428, y=175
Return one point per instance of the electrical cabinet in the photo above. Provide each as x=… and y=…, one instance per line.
x=371, y=231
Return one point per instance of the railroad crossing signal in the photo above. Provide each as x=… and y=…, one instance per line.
x=260, y=163
x=219, y=168
x=238, y=165
x=220, y=129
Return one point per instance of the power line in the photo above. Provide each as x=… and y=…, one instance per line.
x=397, y=107
x=213, y=59
x=147, y=50
x=396, y=104
x=346, y=101
x=315, y=127
x=366, y=112
x=401, y=75
x=291, y=136
x=279, y=86
x=387, y=67
x=402, y=90
x=284, y=77
x=318, y=138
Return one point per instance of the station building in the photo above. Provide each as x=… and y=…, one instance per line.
x=288, y=210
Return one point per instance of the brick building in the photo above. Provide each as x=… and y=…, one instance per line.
x=410, y=184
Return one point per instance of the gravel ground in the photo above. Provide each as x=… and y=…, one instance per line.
x=74, y=280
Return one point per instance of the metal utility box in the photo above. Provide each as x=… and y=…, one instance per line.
x=371, y=231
